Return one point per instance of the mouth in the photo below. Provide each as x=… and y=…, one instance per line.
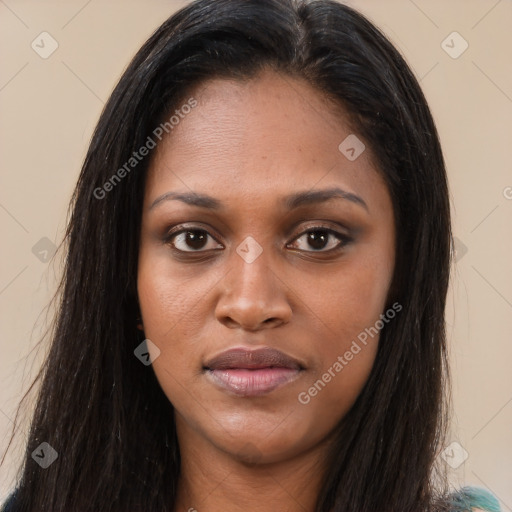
x=249, y=373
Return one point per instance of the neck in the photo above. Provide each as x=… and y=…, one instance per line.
x=215, y=481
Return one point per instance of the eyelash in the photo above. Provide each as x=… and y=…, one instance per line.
x=342, y=238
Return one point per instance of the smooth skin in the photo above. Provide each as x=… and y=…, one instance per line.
x=323, y=276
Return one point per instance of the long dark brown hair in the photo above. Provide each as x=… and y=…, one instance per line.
x=104, y=412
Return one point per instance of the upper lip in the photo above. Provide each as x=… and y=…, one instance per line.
x=243, y=358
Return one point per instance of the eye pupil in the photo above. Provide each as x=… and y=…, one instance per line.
x=318, y=239
x=195, y=239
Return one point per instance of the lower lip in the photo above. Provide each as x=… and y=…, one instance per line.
x=257, y=382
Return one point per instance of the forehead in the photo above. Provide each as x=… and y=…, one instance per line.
x=260, y=137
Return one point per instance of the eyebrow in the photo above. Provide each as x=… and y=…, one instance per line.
x=291, y=201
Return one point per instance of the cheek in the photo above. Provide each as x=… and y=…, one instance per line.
x=168, y=312
x=167, y=308
x=346, y=347
x=175, y=308
x=349, y=300
x=169, y=301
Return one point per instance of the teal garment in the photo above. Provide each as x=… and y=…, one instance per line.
x=474, y=497
x=463, y=501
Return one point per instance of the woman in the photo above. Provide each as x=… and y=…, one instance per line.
x=252, y=309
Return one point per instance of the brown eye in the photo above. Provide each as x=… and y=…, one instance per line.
x=193, y=240
x=320, y=240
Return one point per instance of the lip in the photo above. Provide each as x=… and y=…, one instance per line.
x=255, y=372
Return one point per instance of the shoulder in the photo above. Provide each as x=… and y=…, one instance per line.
x=474, y=499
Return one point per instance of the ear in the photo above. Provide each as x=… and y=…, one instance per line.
x=140, y=324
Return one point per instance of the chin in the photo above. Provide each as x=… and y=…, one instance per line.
x=264, y=446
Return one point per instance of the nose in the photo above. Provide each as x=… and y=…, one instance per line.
x=253, y=296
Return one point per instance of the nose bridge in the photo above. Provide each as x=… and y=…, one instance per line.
x=252, y=277
x=252, y=294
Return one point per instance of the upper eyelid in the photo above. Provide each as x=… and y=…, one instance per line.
x=179, y=228
x=319, y=228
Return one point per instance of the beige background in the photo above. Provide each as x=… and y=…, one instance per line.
x=49, y=108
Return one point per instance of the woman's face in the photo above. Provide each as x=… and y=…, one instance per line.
x=258, y=233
